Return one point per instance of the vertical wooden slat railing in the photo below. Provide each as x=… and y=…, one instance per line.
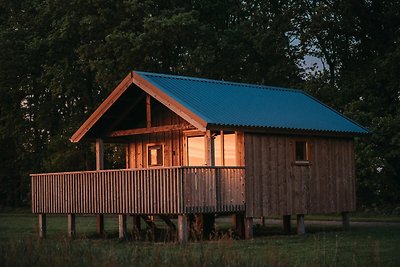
x=171, y=190
x=214, y=189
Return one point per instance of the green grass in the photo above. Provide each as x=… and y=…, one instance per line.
x=324, y=245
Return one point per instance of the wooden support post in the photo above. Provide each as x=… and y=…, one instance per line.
x=71, y=226
x=148, y=111
x=209, y=146
x=262, y=220
x=99, y=166
x=238, y=220
x=287, y=226
x=249, y=228
x=42, y=225
x=300, y=224
x=182, y=228
x=121, y=226
x=136, y=226
x=208, y=224
x=99, y=154
x=346, y=220
x=100, y=224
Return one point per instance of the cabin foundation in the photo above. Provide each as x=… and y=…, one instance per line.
x=182, y=228
x=122, y=226
x=71, y=231
x=301, y=230
x=42, y=225
x=248, y=228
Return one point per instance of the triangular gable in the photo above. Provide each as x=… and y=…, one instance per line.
x=152, y=90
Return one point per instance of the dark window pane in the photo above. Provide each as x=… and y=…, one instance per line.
x=301, y=151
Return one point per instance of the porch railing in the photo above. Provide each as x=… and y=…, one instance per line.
x=169, y=190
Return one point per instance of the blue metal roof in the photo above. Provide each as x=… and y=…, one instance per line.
x=238, y=104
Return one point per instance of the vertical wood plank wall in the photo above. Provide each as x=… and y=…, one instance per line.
x=172, y=140
x=275, y=185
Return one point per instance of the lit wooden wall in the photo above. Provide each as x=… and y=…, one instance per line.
x=275, y=185
x=136, y=156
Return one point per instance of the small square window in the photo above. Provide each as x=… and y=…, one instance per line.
x=155, y=155
x=301, y=151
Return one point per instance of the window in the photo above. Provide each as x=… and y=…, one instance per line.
x=301, y=152
x=225, y=149
x=155, y=155
x=196, y=151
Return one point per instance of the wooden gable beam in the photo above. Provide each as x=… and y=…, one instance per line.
x=169, y=102
x=149, y=130
x=152, y=91
x=99, y=112
x=148, y=111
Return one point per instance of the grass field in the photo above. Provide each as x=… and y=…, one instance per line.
x=323, y=245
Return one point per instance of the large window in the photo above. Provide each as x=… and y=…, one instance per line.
x=155, y=155
x=301, y=151
x=225, y=149
x=196, y=154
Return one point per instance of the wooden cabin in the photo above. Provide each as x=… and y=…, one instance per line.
x=198, y=147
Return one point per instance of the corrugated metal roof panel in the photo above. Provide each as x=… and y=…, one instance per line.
x=237, y=104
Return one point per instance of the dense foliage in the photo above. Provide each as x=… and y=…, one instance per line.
x=59, y=59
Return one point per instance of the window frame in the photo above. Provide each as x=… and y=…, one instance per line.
x=307, y=154
x=186, y=135
x=148, y=147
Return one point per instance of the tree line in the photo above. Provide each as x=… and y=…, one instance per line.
x=59, y=59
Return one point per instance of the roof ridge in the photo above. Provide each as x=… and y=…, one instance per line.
x=249, y=85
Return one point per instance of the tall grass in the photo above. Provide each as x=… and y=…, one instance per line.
x=322, y=246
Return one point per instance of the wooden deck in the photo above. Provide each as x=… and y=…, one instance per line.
x=170, y=190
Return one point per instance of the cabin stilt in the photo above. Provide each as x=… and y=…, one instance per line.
x=42, y=225
x=238, y=224
x=182, y=228
x=208, y=224
x=287, y=226
x=249, y=228
x=136, y=226
x=100, y=224
x=346, y=221
x=121, y=226
x=71, y=225
x=300, y=224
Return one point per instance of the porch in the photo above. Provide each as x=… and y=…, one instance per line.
x=161, y=191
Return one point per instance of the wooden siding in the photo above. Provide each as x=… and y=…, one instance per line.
x=172, y=140
x=173, y=190
x=276, y=185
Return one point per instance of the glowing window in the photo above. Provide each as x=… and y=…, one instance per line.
x=226, y=155
x=155, y=155
x=196, y=151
